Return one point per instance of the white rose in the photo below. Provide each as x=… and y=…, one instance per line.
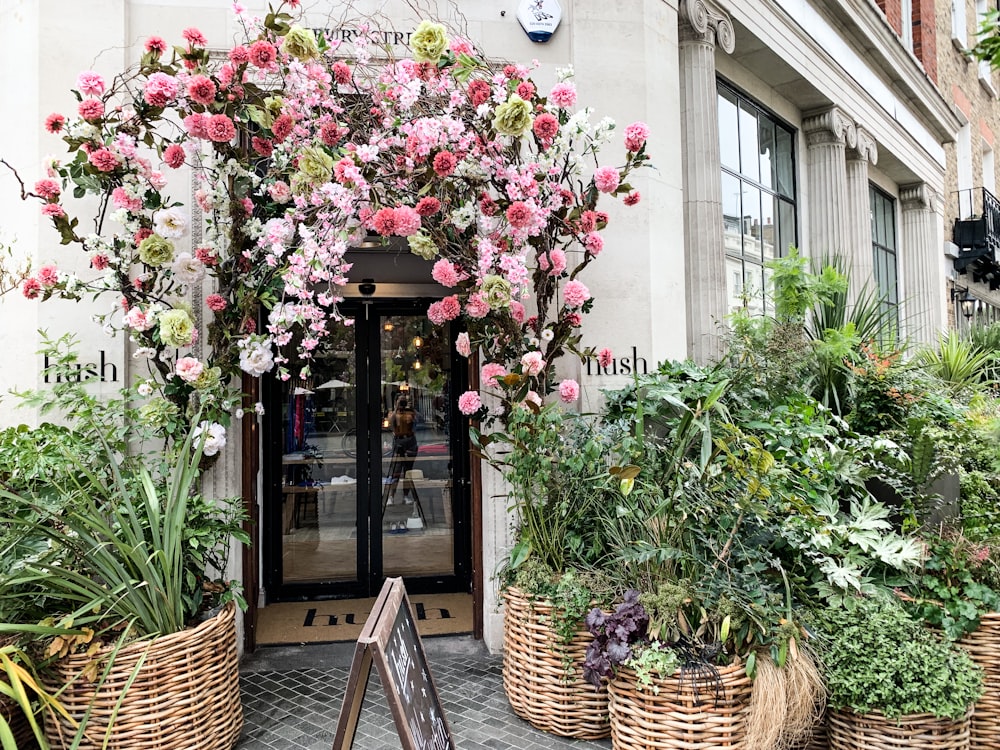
x=215, y=437
x=187, y=269
x=170, y=223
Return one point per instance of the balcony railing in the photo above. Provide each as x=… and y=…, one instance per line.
x=977, y=235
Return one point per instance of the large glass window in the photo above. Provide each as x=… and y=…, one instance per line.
x=883, y=220
x=758, y=194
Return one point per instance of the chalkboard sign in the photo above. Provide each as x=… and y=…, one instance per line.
x=390, y=639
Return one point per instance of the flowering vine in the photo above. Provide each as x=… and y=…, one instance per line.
x=299, y=152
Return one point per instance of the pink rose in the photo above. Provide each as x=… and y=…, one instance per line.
x=174, y=156
x=91, y=109
x=407, y=221
x=604, y=357
x=160, y=90
x=201, y=89
x=444, y=163
x=606, y=179
x=194, y=37
x=477, y=307
x=53, y=211
x=188, y=369
x=632, y=198
x=156, y=46
x=216, y=302
x=594, y=243
x=469, y=403
x=462, y=345
x=48, y=275
x=104, y=160
x=636, y=135
x=99, y=261
x=341, y=73
x=239, y=55
x=136, y=319
x=48, y=189
x=575, y=293
x=532, y=363
x=490, y=372
x=90, y=83
x=444, y=273
x=55, y=122
x=262, y=54
x=194, y=124
x=569, y=391
x=31, y=288
x=428, y=205
x=545, y=127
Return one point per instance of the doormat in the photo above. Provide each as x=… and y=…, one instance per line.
x=334, y=620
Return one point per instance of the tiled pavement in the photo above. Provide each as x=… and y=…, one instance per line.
x=292, y=697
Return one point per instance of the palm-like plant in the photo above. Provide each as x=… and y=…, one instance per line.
x=958, y=361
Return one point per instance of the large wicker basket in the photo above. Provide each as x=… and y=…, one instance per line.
x=983, y=645
x=690, y=710
x=24, y=738
x=873, y=731
x=185, y=696
x=540, y=689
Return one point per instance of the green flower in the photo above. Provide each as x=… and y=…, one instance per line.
x=428, y=42
x=513, y=117
x=300, y=43
x=176, y=327
x=422, y=245
x=209, y=379
x=156, y=250
x=496, y=291
x=315, y=166
x=158, y=412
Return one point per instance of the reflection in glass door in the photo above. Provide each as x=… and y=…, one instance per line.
x=369, y=483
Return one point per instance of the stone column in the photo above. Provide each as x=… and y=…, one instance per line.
x=859, y=259
x=921, y=287
x=702, y=27
x=828, y=135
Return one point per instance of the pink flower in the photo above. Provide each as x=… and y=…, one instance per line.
x=490, y=372
x=195, y=37
x=594, y=243
x=206, y=255
x=280, y=192
x=563, y=95
x=53, y=211
x=91, y=109
x=48, y=275
x=444, y=163
x=604, y=357
x=428, y=205
x=201, y=89
x=517, y=311
x=220, y=128
x=329, y=133
x=479, y=92
x=282, y=127
x=632, y=198
x=469, y=403
x=533, y=397
x=174, y=156
x=575, y=293
x=188, y=369
x=569, y=391
x=48, y=189
x=477, y=307
x=31, y=288
x=444, y=273
x=532, y=363
x=461, y=46
x=137, y=320
x=407, y=221
x=262, y=54
x=104, y=160
x=606, y=179
x=194, y=124
x=156, y=46
x=341, y=73
x=444, y=310
x=262, y=146
x=462, y=345
x=636, y=135
x=519, y=214
x=215, y=302
x=239, y=55
x=55, y=122
x=384, y=221
x=99, y=261
x=142, y=234
x=556, y=258
x=526, y=90
x=545, y=126
x=90, y=83
x=160, y=90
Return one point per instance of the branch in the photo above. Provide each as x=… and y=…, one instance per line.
x=25, y=194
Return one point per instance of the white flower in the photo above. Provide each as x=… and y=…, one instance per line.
x=145, y=389
x=170, y=223
x=144, y=351
x=256, y=357
x=215, y=437
x=238, y=414
x=187, y=269
x=547, y=334
x=462, y=217
x=259, y=408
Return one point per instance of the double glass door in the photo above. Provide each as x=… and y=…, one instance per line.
x=368, y=464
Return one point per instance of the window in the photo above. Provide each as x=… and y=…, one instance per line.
x=758, y=195
x=989, y=169
x=963, y=155
x=906, y=19
x=985, y=69
x=883, y=219
x=959, y=26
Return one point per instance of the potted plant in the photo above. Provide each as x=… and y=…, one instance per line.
x=891, y=682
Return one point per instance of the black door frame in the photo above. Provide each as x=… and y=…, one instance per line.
x=367, y=314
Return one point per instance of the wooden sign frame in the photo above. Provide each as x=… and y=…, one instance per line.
x=390, y=640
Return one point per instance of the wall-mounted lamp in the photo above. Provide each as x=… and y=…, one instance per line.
x=965, y=300
x=387, y=327
x=417, y=342
x=417, y=365
x=367, y=287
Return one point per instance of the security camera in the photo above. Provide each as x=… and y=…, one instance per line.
x=367, y=287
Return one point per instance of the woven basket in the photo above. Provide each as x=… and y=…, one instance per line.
x=690, y=712
x=873, y=731
x=535, y=677
x=185, y=696
x=24, y=738
x=983, y=645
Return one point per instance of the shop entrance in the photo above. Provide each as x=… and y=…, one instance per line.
x=366, y=462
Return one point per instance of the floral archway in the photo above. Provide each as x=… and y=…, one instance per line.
x=301, y=152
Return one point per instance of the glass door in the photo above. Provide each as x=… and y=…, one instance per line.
x=372, y=480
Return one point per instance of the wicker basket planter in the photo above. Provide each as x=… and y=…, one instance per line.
x=983, y=645
x=873, y=731
x=535, y=678
x=690, y=711
x=24, y=738
x=185, y=696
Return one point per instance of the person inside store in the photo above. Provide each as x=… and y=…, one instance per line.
x=402, y=420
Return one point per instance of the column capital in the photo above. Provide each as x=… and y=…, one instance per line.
x=918, y=197
x=830, y=126
x=707, y=22
x=866, y=148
